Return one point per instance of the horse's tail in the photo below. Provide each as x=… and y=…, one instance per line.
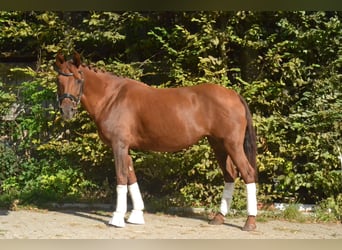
x=249, y=144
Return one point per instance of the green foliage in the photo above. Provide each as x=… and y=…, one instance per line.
x=329, y=209
x=300, y=125
x=285, y=64
x=44, y=181
x=193, y=172
x=31, y=172
x=9, y=162
x=6, y=100
x=292, y=213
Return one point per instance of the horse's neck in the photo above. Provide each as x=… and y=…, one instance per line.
x=95, y=91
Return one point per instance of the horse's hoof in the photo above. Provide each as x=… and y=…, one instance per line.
x=217, y=220
x=250, y=224
x=117, y=220
x=136, y=217
x=249, y=227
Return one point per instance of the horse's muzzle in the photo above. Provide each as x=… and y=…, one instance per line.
x=68, y=109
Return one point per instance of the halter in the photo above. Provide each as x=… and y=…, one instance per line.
x=77, y=99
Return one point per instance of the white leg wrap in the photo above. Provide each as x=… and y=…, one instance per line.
x=251, y=199
x=137, y=200
x=136, y=216
x=121, y=207
x=227, y=197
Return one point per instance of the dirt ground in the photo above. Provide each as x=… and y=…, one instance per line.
x=92, y=224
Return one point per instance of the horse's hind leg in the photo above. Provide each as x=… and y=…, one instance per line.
x=248, y=175
x=229, y=175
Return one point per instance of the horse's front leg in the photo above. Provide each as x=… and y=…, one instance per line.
x=120, y=151
x=125, y=175
x=136, y=216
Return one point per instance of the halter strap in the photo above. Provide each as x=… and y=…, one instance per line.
x=65, y=74
x=70, y=96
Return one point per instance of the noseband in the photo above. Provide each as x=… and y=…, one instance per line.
x=73, y=98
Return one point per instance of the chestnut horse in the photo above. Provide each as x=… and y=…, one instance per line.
x=132, y=115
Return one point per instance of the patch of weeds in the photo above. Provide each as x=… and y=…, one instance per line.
x=262, y=219
x=6, y=200
x=154, y=205
x=292, y=213
x=329, y=210
x=267, y=215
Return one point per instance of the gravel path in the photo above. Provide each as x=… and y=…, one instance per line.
x=90, y=224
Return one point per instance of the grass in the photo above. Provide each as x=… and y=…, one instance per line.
x=292, y=213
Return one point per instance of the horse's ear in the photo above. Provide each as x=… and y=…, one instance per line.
x=60, y=59
x=77, y=59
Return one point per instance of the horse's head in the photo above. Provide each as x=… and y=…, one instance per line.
x=69, y=84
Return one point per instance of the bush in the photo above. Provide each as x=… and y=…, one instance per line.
x=36, y=182
x=187, y=178
x=329, y=209
x=9, y=162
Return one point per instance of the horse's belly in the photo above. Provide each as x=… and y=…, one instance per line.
x=172, y=142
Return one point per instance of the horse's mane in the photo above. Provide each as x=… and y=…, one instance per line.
x=99, y=70
x=95, y=69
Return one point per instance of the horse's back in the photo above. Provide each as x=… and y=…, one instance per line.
x=204, y=99
x=203, y=93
